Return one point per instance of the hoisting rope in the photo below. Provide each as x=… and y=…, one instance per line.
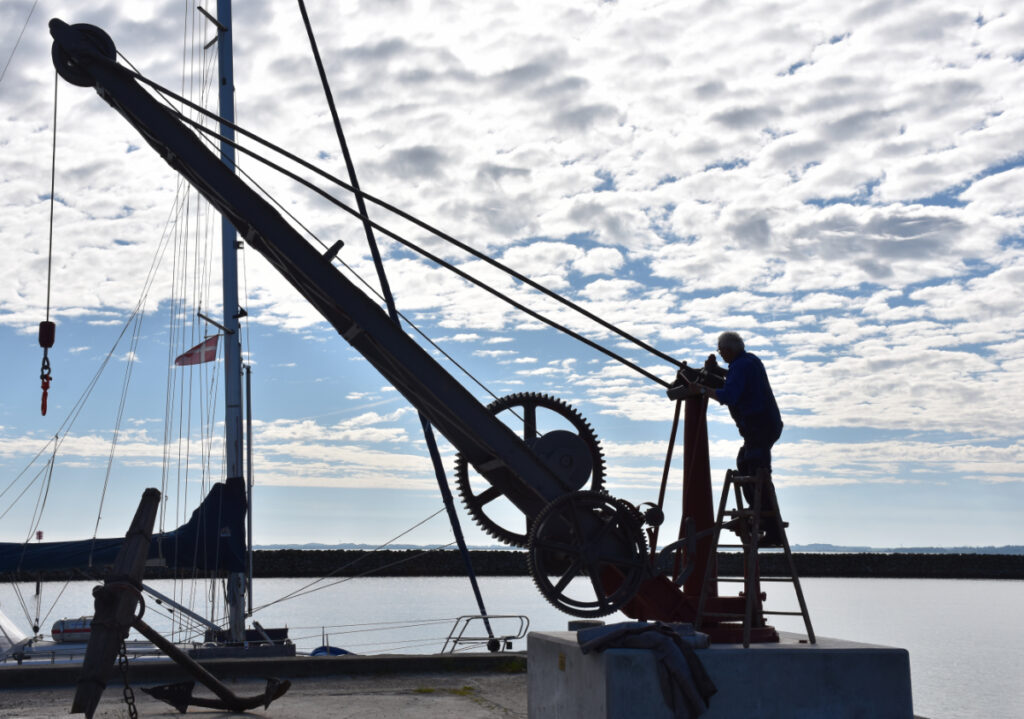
x=47, y=329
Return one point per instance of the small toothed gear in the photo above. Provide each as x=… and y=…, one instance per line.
x=525, y=405
x=588, y=554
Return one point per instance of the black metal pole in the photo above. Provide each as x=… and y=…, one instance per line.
x=428, y=432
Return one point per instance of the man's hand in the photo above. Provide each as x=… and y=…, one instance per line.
x=682, y=389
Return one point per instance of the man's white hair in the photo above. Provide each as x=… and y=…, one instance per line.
x=731, y=341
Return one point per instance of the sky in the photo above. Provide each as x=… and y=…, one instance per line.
x=839, y=184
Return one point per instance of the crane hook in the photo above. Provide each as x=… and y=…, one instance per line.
x=47, y=332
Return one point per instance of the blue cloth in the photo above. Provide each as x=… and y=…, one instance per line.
x=748, y=395
x=685, y=684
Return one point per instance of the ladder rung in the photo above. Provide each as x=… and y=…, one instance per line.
x=732, y=546
x=777, y=579
x=788, y=614
x=722, y=615
x=730, y=579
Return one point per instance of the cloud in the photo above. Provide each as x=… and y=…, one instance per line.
x=839, y=185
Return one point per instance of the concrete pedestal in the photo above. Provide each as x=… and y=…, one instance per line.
x=832, y=679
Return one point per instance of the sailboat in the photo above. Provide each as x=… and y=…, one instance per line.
x=215, y=541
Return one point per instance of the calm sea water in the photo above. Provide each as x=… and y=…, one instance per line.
x=966, y=638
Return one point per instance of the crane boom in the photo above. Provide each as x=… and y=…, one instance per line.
x=486, y=443
x=572, y=534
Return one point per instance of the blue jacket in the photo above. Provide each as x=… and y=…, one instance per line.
x=751, y=403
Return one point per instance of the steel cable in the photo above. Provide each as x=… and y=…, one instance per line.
x=408, y=217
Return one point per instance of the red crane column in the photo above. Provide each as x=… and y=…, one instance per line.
x=698, y=503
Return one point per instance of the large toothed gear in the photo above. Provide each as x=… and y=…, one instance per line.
x=588, y=554
x=552, y=440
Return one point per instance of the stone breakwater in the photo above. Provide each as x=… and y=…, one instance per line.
x=510, y=563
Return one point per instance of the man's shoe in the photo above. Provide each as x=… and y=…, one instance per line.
x=770, y=539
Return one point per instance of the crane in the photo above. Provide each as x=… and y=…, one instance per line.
x=588, y=550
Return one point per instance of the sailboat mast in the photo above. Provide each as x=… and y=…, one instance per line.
x=232, y=338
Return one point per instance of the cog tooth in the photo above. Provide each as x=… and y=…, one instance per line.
x=543, y=401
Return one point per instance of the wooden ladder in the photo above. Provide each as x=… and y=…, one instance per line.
x=748, y=523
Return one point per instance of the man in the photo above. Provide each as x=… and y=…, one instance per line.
x=748, y=395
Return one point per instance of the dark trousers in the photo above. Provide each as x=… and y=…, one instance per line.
x=750, y=459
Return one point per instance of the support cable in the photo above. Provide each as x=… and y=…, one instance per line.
x=309, y=587
x=446, y=265
x=390, y=208
x=18, y=41
x=428, y=431
x=300, y=593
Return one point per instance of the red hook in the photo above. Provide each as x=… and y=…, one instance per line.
x=46, y=335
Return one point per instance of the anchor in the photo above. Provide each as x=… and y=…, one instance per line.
x=116, y=603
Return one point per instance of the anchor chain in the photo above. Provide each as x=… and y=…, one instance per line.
x=129, y=693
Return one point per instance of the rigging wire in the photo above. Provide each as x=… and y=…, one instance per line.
x=379, y=547
x=461, y=273
x=126, y=382
x=29, y=486
x=44, y=494
x=53, y=605
x=72, y=415
x=18, y=41
x=285, y=211
x=164, y=92
x=368, y=572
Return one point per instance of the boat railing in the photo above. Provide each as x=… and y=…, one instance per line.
x=60, y=653
x=485, y=631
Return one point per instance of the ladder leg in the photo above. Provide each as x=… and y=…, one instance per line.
x=750, y=571
x=792, y=567
x=705, y=587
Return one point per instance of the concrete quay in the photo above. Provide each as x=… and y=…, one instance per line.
x=468, y=686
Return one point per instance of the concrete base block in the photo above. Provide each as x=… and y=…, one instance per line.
x=834, y=678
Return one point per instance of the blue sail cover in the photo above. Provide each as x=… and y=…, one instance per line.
x=212, y=540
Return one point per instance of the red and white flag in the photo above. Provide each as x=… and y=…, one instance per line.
x=205, y=351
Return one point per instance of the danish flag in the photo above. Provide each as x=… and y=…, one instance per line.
x=205, y=351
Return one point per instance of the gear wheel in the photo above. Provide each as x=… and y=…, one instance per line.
x=524, y=406
x=587, y=553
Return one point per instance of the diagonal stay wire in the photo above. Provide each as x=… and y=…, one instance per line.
x=285, y=211
x=387, y=206
x=443, y=263
x=358, y=559
x=370, y=288
x=79, y=405
x=309, y=590
x=18, y=41
x=362, y=280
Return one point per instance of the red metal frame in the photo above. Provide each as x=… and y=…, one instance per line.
x=659, y=598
